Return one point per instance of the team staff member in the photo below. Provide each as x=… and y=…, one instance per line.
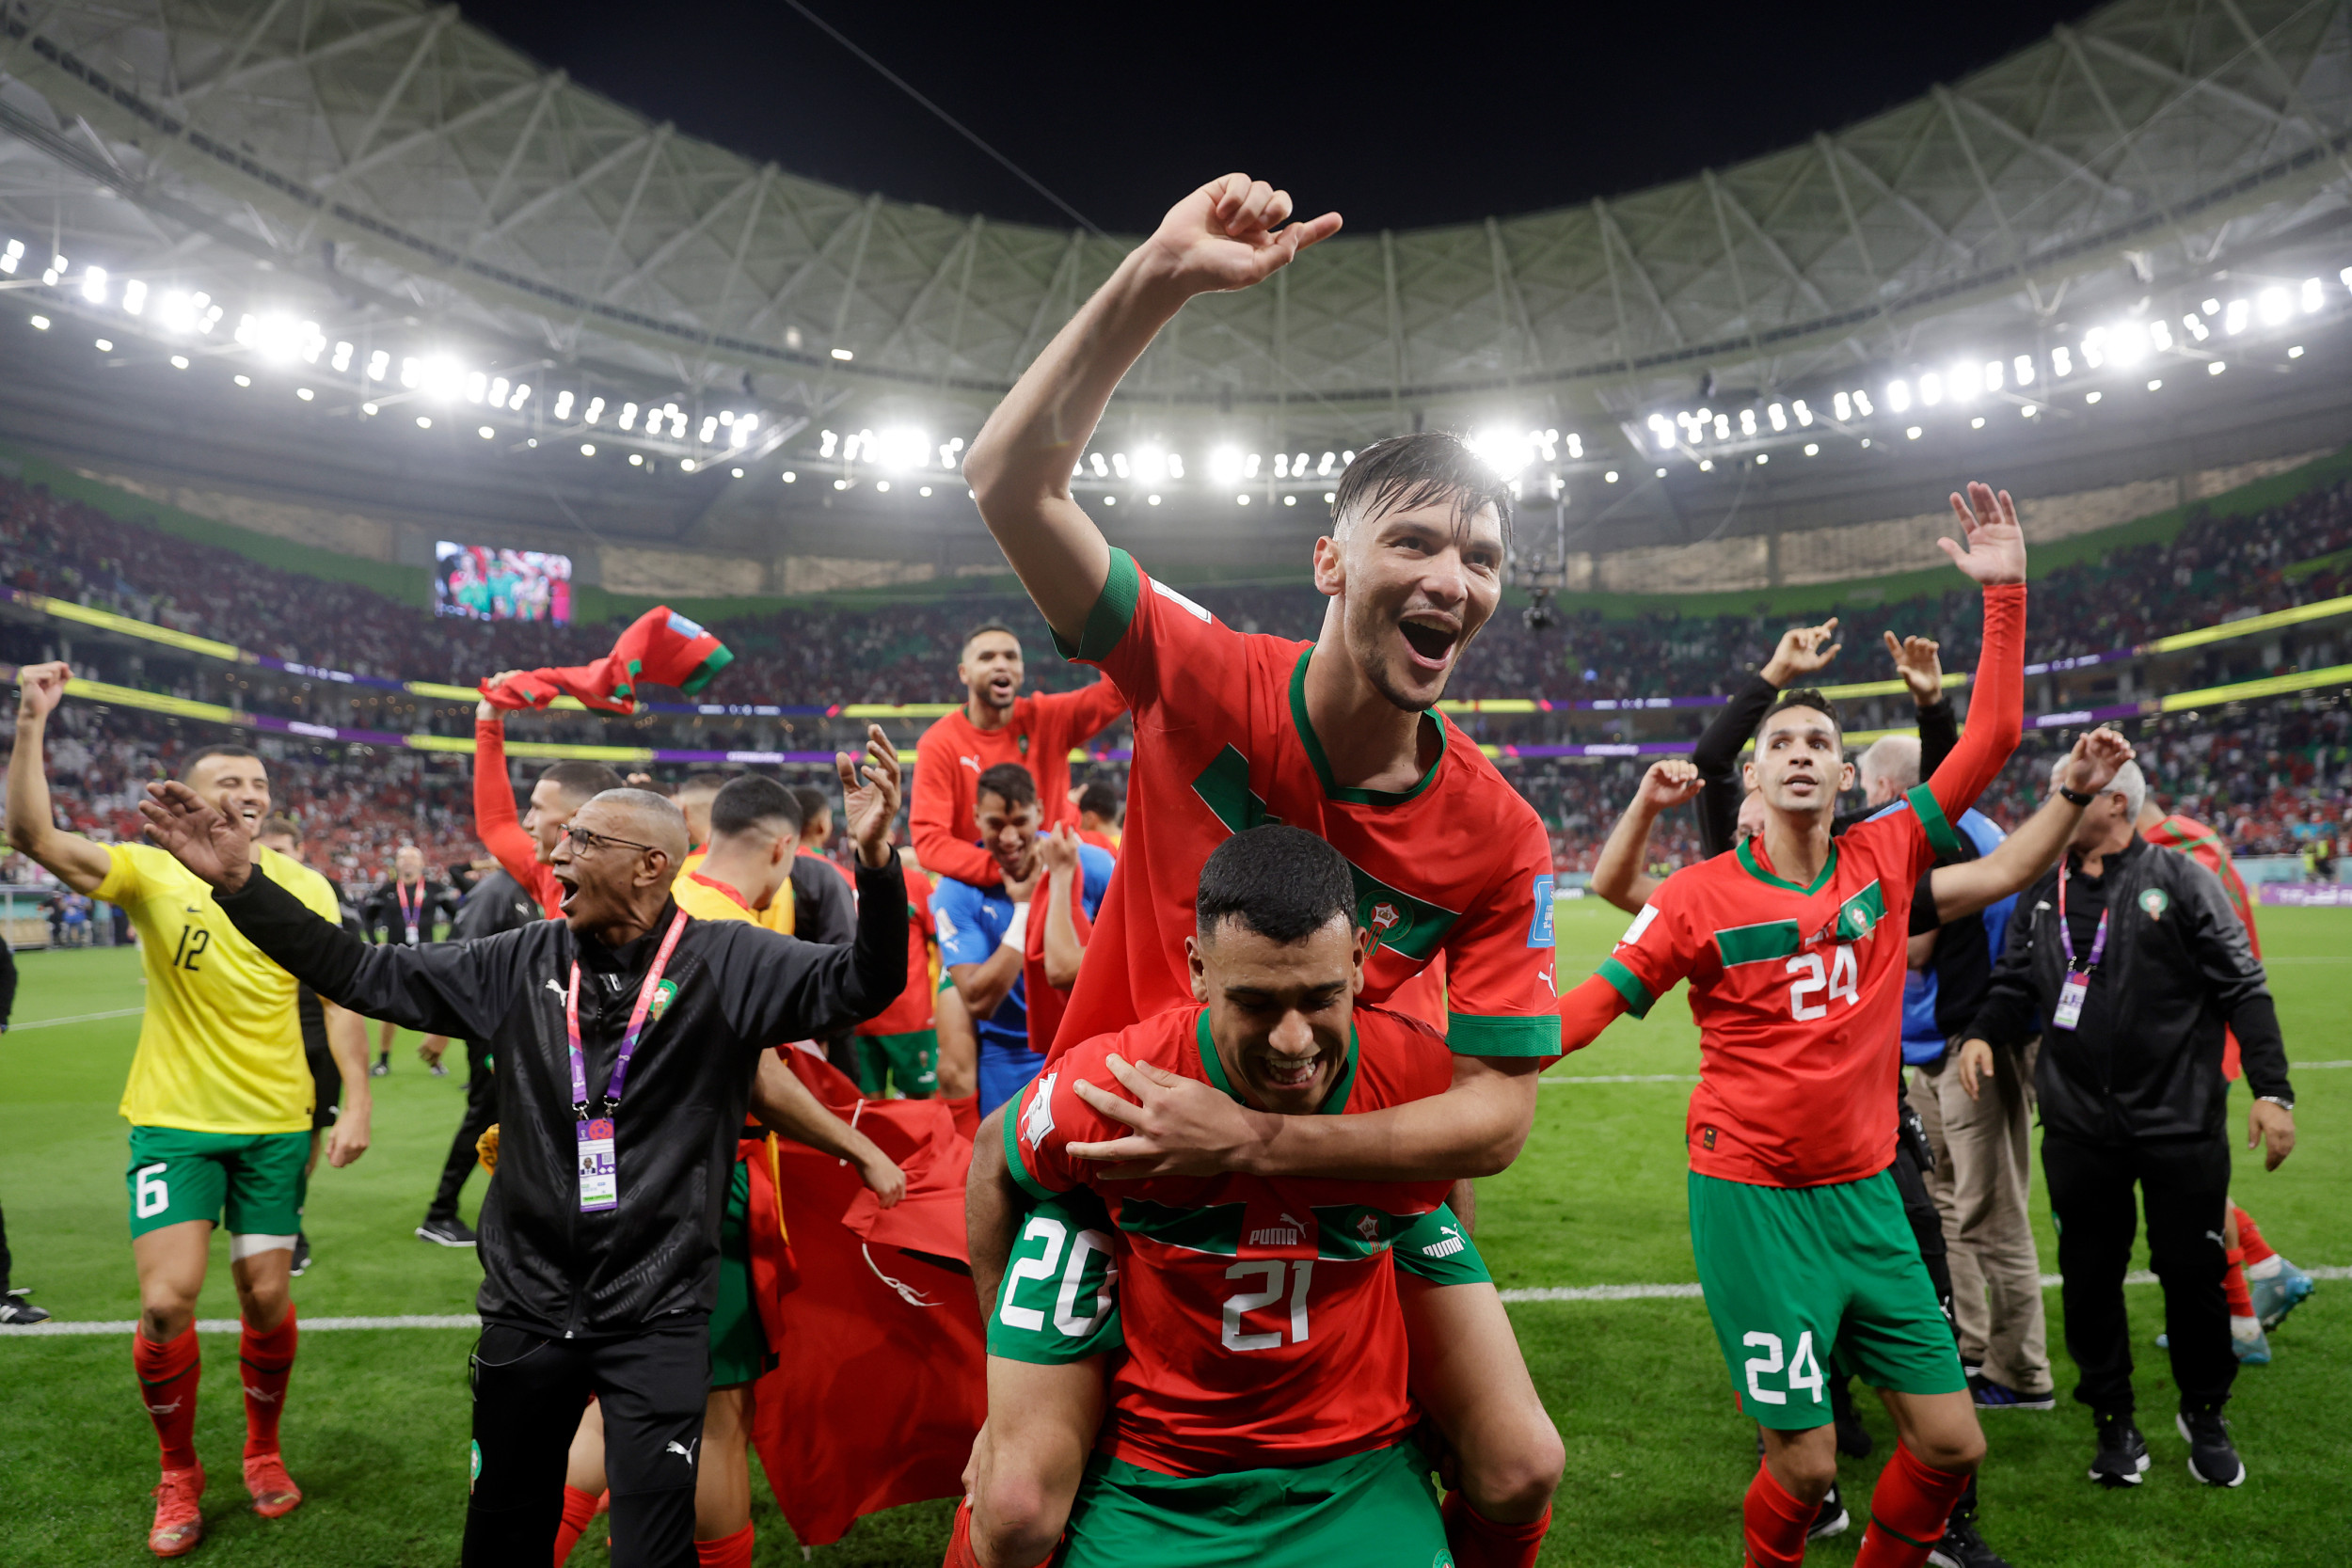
x=498, y=903
x=2130, y=963
x=407, y=908
x=628, y=1038
x=997, y=725
x=525, y=850
x=220, y=1101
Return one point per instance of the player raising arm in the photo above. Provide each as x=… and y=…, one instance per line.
x=219, y=1102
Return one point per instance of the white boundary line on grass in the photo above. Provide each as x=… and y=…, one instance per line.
x=467, y=1320
x=1550, y=1078
x=77, y=1018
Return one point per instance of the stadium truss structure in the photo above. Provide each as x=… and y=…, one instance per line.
x=381, y=177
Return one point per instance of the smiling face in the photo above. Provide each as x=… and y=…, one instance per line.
x=1412, y=586
x=1008, y=833
x=237, y=788
x=1279, y=1012
x=992, y=670
x=1799, y=766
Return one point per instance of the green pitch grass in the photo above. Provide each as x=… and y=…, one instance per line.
x=376, y=1429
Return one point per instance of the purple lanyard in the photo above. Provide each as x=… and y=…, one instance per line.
x=2066, y=934
x=628, y=1040
x=409, y=917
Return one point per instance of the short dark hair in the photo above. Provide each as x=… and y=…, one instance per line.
x=1282, y=882
x=1803, y=696
x=280, y=826
x=1420, y=469
x=1009, y=783
x=582, y=779
x=754, y=801
x=1101, y=800
x=984, y=630
x=704, y=783
x=812, y=800
x=225, y=749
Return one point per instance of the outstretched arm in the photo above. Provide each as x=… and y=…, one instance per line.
x=785, y=1106
x=2026, y=854
x=1228, y=234
x=494, y=821
x=32, y=828
x=1618, y=874
x=1994, y=556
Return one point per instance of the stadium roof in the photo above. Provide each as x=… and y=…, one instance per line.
x=388, y=151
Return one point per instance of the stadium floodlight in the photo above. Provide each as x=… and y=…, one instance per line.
x=1723, y=427
x=1813, y=449
x=1281, y=464
x=134, y=298
x=1149, y=464
x=424, y=422
x=1862, y=402
x=587, y=449
x=2128, y=343
x=2234, y=319
x=1977, y=424
x=485, y=431
x=629, y=416
x=2313, y=297
x=709, y=430
x=1966, y=381
x=51, y=274
x=1100, y=465
x=1912, y=434
x=1706, y=465
x=791, y=477
x=1992, y=375
x=2217, y=367
x=1930, y=390
x=844, y=355
x=2094, y=347
x=342, y=360
x=2274, y=305
x=94, y=285
x=1842, y=406
x=1118, y=465
x=594, y=411
x=1663, y=429
x=2156, y=385
x=677, y=423
x=176, y=313
x=1763, y=458
x=1326, y=464
x=380, y=366
x=1251, y=465
x=303, y=392
x=1176, y=465
x=563, y=405
x=2295, y=352
x=1242, y=499
x=13, y=258
x=901, y=448
x=1298, y=465
x=2210, y=307
x=1747, y=422
x=2023, y=365
x=2061, y=361
x=1151, y=500
x=746, y=423
x=179, y=362
x=1610, y=478
x=106, y=345
x=841, y=484
x=2195, y=325
x=826, y=441
x=2090, y=397
x=2029, y=410
x=1778, y=415
x=637, y=460
x=498, y=391
x=522, y=395
x=370, y=409
x=1898, y=396
x=1225, y=465
x=1576, y=447
x=1507, y=452
x=2160, y=333
x=411, y=371
x=2344, y=277
x=1804, y=414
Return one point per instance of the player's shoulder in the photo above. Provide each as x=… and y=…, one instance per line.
x=1469, y=781
x=1172, y=1040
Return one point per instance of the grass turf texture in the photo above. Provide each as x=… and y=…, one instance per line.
x=376, y=1429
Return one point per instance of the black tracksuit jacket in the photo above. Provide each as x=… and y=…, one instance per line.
x=2147, y=1062
x=547, y=1266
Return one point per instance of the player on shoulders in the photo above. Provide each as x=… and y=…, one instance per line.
x=1261, y=1413
x=219, y=1102
x=1338, y=736
x=1795, y=950
x=996, y=724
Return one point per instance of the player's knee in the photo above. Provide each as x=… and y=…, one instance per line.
x=1806, y=1472
x=1958, y=1450
x=164, y=1320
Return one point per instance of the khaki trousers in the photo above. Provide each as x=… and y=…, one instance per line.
x=1983, y=1170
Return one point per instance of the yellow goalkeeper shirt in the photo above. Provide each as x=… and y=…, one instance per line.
x=220, y=1050
x=776, y=918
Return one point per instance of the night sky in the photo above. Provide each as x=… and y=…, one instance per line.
x=1449, y=114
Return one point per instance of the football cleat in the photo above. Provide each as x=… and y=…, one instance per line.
x=2250, y=1353
x=450, y=1231
x=14, y=1309
x=1829, y=1518
x=274, y=1494
x=2212, y=1457
x=301, y=1264
x=1962, y=1547
x=2280, y=1294
x=179, y=1513
x=2123, y=1457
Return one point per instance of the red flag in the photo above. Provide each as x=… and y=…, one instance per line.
x=882, y=1386
x=660, y=646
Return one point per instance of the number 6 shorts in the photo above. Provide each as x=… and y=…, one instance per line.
x=1060, y=1303
x=1809, y=1283
x=254, y=1178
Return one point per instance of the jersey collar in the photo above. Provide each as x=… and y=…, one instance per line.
x=1334, y=1103
x=1755, y=868
x=1307, y=738
x=725, y=889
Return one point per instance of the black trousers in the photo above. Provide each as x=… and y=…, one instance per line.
x=6, y=1261
x=2185, y=1186
x=482, y=1102
x=529, y=1392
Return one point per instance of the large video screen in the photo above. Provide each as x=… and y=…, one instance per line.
x=485, y=584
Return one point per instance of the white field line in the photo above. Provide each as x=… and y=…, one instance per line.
x=77, y=1018
x=1549, y=1079
x=1646, y=1293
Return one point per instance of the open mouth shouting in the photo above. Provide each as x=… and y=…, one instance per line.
x=571, y=890
x=1431, y=639
x=1002, y=690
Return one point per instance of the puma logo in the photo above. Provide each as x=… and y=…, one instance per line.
x=683, y=1450
x=262, y=1394
x=163, y=1409
x=558, y=989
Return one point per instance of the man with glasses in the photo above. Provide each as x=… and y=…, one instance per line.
x=628, y=1037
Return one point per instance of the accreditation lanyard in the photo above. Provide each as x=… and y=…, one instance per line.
x=599, y=1173
x=411, y=915
x=2069, y=1012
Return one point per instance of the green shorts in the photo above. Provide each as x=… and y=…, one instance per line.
x=256, y=1178
x=1374, y=1510
x=908, y=1062
x=1057, y=1303
x=1800, y=1280
x=739, y=1352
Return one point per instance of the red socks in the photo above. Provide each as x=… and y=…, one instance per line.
x=167, y=1377
x=1908, y=1513
x=728, y=1551
x=1478, y=1541
x=2233, y=1284
x=578, y=1507
x=1774, y=1523
x=268, y=1366
x=2249, y=1237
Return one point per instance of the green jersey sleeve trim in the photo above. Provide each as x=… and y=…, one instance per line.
x=1014, y=1162
x=1112, y=614
x=1628, y=985
x=1941, y=837
x=1519, y=1035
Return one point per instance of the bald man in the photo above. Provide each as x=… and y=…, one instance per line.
x=627, y=1035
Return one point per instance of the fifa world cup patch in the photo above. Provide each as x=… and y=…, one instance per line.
x=2155, y=901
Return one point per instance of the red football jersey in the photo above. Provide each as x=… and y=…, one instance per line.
x=1457, y=865
x=1261, y=1315
x=913, y=1011
x=953, y=754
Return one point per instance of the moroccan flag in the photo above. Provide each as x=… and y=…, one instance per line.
x=660, y=646
x=881, y=1382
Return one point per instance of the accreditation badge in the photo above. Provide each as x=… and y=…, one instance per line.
x=600, y=1175
x=2069, y=1012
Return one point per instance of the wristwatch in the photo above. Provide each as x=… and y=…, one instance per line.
x=2078, y=796
x=2280, y=1101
